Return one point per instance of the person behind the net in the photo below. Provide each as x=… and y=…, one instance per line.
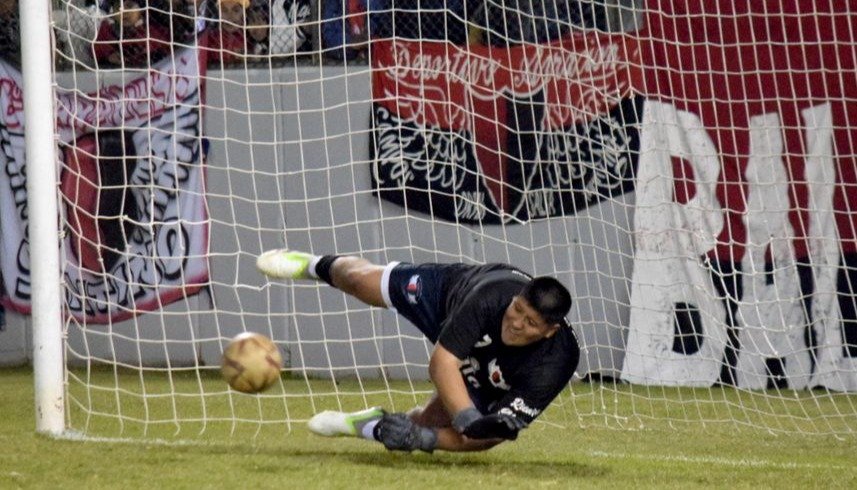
x=503, y=349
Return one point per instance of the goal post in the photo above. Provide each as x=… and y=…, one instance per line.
x=686, y=169
x=48, y=357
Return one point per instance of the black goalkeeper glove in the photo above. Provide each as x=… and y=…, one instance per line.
x=399, y=433
x=495, y=426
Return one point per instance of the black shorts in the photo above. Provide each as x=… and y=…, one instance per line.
x=416, y=293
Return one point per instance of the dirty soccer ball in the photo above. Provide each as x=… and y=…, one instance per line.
x=251, y=363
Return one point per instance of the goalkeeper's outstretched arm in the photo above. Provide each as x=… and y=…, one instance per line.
x=398, y=432
x=448, y=439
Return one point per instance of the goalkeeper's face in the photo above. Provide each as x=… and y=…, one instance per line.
x=523, y=325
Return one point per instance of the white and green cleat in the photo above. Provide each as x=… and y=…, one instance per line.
x=333, y=424
x=285, y=264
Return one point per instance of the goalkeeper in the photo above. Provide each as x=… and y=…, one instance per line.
x=503, y=347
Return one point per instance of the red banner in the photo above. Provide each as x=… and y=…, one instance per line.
x=484, y=134
x=729, y=62
x=745, y=260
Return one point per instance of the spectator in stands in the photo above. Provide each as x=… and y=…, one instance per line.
x=224, y=39
x=258, y=26
x=512, y=22
x=348, y=25
x=8, y=8
x=436, y=20
x=10, y=45
x=506, y=22
x=76, y=24
x=135, y=34
x=193, y=15
x=188, y=18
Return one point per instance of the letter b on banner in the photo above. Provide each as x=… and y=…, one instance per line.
x=677, y=334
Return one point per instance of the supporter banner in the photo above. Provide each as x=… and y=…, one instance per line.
x=132, y=188
x=746, y=193
x=491, y=135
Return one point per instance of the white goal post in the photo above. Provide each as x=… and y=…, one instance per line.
x=687, y=169
x=48, y=366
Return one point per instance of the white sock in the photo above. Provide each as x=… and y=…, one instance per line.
x=311, y=267
x=368, y=430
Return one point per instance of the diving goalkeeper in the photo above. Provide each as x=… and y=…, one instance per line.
x=503, y=349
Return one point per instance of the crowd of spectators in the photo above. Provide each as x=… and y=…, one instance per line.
x=137, y=33
x=140, y=32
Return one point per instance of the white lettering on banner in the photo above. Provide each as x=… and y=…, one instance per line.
x=770, y=311
x=541, y=202
x=590, y=65
x=581, y=78
x=672, y=236
x=597, y=153
x=602, y=142
x=405, y=153
x=471, y=205
x=834, y=370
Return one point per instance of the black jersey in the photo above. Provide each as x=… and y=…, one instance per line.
x=518, y=380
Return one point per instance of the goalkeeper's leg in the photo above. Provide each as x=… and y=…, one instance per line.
x=352, y=275
x=355, y=424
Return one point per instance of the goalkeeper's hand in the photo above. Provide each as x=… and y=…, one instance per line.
x=474, y=425
x=397, y=432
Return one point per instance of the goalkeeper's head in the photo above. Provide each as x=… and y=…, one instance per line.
x=537, y=312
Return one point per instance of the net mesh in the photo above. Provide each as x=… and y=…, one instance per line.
x=687, y=169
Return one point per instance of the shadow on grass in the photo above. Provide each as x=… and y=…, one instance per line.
x=522, y=465
x=500, y=463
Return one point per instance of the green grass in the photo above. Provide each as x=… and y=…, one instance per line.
x=602, y=436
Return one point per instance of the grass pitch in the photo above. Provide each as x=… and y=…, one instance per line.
x=674, y=438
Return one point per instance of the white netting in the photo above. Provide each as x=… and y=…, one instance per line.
x=687, y=169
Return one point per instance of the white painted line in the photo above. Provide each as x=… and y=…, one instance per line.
x=713, y=460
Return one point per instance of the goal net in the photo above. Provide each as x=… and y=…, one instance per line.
x=686, y=168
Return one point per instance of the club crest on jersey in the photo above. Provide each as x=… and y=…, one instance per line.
x=414, y=289
x=496, y=376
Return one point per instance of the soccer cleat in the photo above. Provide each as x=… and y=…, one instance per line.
x=332, y=424
x=285, y=264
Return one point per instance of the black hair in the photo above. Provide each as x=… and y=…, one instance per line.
x=549, y=297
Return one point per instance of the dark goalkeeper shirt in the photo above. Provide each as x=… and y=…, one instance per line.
x=518, y=380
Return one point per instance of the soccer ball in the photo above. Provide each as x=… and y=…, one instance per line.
x=251, y=363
